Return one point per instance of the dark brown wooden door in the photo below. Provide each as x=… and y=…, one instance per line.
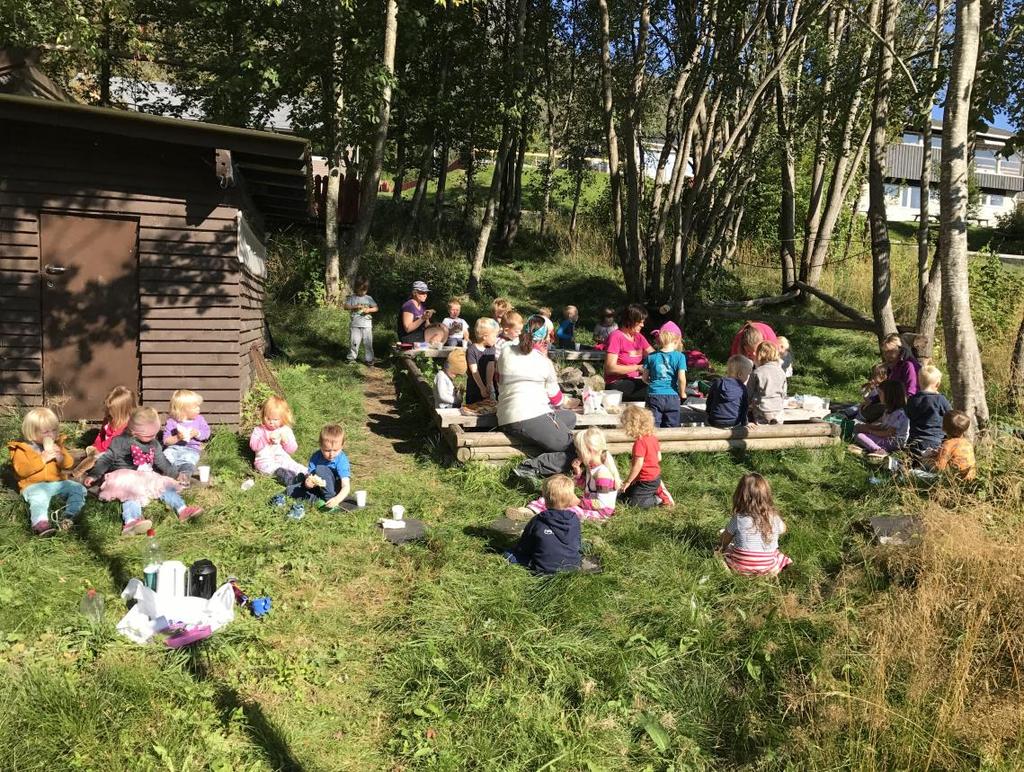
x=90, y=296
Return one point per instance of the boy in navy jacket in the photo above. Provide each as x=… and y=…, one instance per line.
x=728, y=401
x=552, y=541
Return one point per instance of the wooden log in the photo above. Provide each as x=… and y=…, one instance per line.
x=773, y=300
x=682, y=434
x=466, y=453
x=774, y=319
x=838, y=305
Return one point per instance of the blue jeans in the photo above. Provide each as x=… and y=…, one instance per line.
x=665, y=408
x=132, y=510
x=297, y=487
x=38, y=497
x=183, y=457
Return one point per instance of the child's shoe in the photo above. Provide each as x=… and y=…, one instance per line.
x=187, y=513
x=66, y=523
x=519, y=513
x=278, y=501
x=297, y=512
x=136, y=527
x=855, y=450
x=665, y=497
x=44, y=528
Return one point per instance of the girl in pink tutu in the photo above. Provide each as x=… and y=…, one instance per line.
x=135, y=471
x=273, y=442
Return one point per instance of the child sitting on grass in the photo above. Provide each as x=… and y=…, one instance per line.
x=273, y=441
x=768, y=386
x=327, y=479
x=185, y=431
x=117, y=409
x=891, y=431
x=135, y=471
x=595, y=473
x=565, y=335
x=728, y=400
x=956, y=454
x=552, y=541
x=480, y=361
x=666, y=370
x=456, y=326
x=750, y=541
x=925, y=411
x=605, y=327
x=643, y=486
x=40, y=464
x=446, y=394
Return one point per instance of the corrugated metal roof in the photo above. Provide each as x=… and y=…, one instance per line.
x=903, y=162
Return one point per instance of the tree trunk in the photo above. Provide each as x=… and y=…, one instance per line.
x=469, y=157
x=925, y=179
x=576, y=192
x=418, y=196
x=881, y=296
x=1016, y=392
x=487, y=222
x=549, y=173
x=442, y=185
x=928, y=311
x=787, y=168
x=371, y=175
x=515, y=215
x=396, y=194
x=333, y=116
x=963, y=359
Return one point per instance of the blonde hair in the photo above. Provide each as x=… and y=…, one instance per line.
x=500, y=307
x=143, y=416
x=544, y=311
x=181, y=400
x=332, y=432
x=767, y=352
x=456, y=362
x=455, y=302
x=559, y=492
x=118, y=406
x=930, y=377
x=276, y=406
x=484, y=325
x=511, y=319
x=669, y=339
x=783, y=342
x=591, y=444
x=637, y=422
x=38, y=420
x=567, y=309
x=738, y=367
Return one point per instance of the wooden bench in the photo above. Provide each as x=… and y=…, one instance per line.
x=558, y=354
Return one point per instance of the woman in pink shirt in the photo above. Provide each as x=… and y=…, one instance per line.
x=625, y=354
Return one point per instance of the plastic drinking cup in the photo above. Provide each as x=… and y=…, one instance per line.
x=204, y=474
x=149, y=575
x=360, y=498
x=397, y=512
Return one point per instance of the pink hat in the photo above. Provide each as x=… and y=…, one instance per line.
x=670, y=327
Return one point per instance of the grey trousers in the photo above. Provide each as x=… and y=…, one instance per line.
x=361, y=336
x=551, y=432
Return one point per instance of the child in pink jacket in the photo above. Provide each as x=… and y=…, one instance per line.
x=273, y=442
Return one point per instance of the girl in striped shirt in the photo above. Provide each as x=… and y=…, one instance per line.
x=596, y=474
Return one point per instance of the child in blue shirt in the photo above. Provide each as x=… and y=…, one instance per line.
x=566, y=332
x=328, y=477
x=552, y=541
x=666, y=370
x=728, y=401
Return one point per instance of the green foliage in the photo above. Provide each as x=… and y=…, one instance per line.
x=996, y=295
x=252, y=405
x=1012, y=223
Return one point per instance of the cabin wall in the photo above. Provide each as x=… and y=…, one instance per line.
x=190, y=280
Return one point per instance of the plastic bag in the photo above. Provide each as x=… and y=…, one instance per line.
x=592, y=401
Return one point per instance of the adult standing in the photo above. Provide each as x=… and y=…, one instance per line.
x=749, y=337
x=625, y=354
x=414, y=317
x=531, y=406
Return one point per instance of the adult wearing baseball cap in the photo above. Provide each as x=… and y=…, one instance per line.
x=414, y=317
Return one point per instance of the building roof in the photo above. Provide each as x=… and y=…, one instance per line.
x=20, y=73
x=275, y=166
x=903, y=162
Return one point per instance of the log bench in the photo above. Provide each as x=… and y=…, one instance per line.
x=476, y=438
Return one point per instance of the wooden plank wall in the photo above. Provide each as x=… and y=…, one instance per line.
x=252, y=331
x=189, y=274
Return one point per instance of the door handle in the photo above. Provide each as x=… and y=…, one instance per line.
x=55, y=270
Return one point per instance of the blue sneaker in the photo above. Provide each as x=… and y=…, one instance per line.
x=297, y=512
x=279, y=500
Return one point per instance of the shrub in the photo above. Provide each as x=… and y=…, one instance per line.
x=1012, y=223
x=995, y=295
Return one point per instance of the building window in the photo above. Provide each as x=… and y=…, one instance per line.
x=937, y=141
x=995, y=200
x=910, y=197
x=1011, y=165
x=985, y=161
x=892, y=194
x=911, y=138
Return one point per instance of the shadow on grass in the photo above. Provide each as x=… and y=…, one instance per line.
x=262, y=731
x=117, y=566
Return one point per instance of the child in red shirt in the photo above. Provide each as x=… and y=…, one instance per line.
x=643, y=486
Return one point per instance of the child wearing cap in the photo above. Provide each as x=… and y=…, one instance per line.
x=446, y=394
x=666, y=369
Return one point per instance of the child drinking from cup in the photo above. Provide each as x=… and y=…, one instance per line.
x=135, y=471
x=185, y=431
x=40, y=464
x=273, y=441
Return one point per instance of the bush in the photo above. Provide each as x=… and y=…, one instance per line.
x=1012, y=223
x=995, y=295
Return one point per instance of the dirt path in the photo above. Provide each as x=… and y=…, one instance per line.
x=392, y=441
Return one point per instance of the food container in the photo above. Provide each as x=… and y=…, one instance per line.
x=612, y=399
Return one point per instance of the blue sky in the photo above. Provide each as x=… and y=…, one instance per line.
x=1002, y=120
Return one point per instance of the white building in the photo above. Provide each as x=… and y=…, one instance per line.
x=1000, y=180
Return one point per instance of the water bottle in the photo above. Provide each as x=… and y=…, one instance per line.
x=152, y=557
x=92, y=606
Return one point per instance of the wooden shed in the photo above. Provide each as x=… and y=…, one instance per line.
x=131, y=253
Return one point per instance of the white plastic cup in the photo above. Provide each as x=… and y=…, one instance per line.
x=204, y=474
x=397, y=512
x=576, y=345
x=360, y=498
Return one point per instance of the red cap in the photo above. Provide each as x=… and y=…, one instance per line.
x=150, y=532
